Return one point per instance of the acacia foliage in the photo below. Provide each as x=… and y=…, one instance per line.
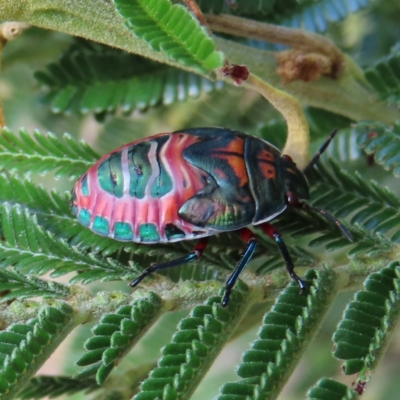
x=136, y=347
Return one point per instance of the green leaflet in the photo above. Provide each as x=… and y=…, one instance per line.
x=44, y=154
x=367, y=322
x=328, y=389
x=371, y=206
x=382, y=142
x=27, y=245
x=172, y=29
x=82, y=82
x=23, y=346
x=42, y=386
x=116, y=334
x=20, y=286
x=384, y=76
x=309, y=14
x=194, y=347
x=281, y=337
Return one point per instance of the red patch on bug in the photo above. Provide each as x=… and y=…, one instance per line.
x=233, y=155
x=266, y=161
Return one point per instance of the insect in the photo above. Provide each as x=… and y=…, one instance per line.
x=192, y=184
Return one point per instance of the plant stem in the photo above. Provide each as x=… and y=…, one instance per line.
x=296, y=38
x=345, y=96
x=298, y=138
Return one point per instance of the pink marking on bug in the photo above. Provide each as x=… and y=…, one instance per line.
x=159, y=211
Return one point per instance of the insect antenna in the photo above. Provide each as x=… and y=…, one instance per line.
x=320, y=151
x=329, y=216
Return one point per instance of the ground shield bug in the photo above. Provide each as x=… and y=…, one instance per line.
x=192, y=184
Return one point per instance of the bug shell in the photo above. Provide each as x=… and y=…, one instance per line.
x=185, y=185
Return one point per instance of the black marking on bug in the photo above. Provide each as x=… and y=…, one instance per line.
x=163, y=183
x=173, y=232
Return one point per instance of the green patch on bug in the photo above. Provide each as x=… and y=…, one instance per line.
x=84, y=217
x=123, y=231
x=100, y=225
x=163, y=183
x=148, y=233
x=111, y=176
x=85, y=186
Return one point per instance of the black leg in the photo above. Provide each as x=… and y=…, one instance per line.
x=194, y=255
x=275, y=235
x=248, y=236
x=320, y=151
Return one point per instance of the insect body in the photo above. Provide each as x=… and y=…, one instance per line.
x=191, y=184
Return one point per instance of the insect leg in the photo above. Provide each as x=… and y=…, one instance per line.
x=194, y=255
x=275, y=235
x=248, y=236
x=320, y=151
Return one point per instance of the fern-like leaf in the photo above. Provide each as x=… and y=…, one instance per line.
x=26, y=245
x=41, y=386
x=172, y=29
x=194, y=347
x=21, y=286
x=384, y=76
x=367, y=322
x=44, y=153
x=374, y=208
x=81, y=81
x=116, y=334
x=23, y=346
x=312, y=15
x=315, y=15
x=282, y=336
x=329, y=389
x=35, y=197
x=382, y=141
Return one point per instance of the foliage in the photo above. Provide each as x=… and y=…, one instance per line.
x=314, y=16
x=81, y=81
x=143, y=67
x=283, y=333
x=385, y=76
x=172, y=29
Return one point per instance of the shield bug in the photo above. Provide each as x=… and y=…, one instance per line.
x=192, y=184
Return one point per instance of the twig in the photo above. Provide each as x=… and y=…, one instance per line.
x=298, y=139
x=296, y=38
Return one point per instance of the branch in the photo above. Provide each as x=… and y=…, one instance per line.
x=345, y=96
x=298, y=139
x=296, y=38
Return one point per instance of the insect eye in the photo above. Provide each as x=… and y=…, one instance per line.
x=287, y=158
x=292, y=199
